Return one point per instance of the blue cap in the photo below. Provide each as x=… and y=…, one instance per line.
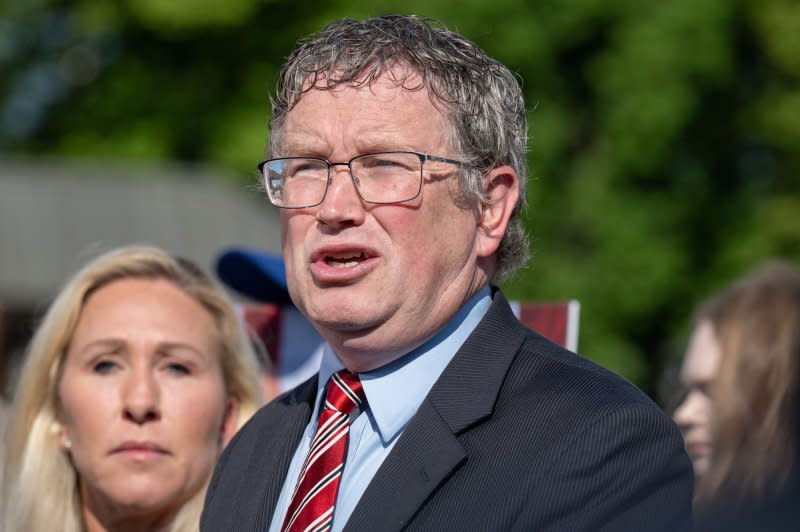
x=256, y=274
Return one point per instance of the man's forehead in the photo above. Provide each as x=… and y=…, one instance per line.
x=396, y=72
x=387, y=114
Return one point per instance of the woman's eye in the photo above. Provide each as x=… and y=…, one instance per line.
x=179, y=369
x=104, y=367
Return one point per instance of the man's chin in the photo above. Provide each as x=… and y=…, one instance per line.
x=351, y=327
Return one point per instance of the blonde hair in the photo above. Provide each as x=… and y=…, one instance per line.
x=754, y=396
x=42, y=490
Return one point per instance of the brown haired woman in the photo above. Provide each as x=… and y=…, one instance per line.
x=739, y=419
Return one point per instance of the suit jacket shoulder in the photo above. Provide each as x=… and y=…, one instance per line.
x=520, y=434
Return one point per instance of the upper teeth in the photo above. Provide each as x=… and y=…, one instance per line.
x=344, y=260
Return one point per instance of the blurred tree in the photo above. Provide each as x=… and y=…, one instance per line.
x=664, y=136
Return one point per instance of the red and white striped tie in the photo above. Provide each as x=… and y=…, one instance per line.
x=311, y=508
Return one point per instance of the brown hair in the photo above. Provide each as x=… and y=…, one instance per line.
x=757, y=324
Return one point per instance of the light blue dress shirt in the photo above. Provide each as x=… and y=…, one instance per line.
x=394, y=393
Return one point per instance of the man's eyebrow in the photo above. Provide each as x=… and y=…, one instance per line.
x=294, y=144
x=381, y=144
x=295, y=147
x=300, y=138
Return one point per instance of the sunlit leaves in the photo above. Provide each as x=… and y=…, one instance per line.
x=167, y=16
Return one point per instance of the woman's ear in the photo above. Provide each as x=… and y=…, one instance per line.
x=502, y=193
x=66, y=442
x=229, y=421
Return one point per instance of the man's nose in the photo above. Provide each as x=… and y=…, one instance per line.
x=141, y=396
x=342, y=205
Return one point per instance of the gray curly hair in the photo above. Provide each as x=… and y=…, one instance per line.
x=481, y=98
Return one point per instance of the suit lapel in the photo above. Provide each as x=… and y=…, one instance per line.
x=429, y=449
x=424, y=455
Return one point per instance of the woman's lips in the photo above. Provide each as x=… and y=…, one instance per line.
x=139, y=449
x=698, y=448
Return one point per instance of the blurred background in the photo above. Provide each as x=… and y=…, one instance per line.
x=664, y=145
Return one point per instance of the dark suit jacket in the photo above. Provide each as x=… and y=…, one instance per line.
x=517, y=434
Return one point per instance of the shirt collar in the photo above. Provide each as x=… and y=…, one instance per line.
x=395, y=391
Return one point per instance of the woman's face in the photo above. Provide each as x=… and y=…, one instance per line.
x=143, y=401
x=693, y=415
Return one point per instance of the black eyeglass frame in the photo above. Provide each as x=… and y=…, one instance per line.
x=423, y=157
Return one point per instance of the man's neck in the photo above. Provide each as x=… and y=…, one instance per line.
x=350, y=351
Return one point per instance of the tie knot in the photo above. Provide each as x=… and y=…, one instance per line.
x=345, y=392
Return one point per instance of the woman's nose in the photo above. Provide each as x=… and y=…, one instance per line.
x=140, y=397
x=690, y=411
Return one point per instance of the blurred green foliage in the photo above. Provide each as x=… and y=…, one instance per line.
x=664, y=145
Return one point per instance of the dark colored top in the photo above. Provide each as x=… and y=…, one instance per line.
x=776, y=513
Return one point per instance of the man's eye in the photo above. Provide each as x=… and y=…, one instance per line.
x=312, y=169
x=386, y=163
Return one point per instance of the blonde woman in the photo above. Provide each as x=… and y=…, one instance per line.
x=136, y=378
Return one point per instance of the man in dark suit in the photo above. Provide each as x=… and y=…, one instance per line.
x=397, y=157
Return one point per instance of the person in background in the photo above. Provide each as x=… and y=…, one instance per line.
x=397, y=159
x=740, y=415
x=135, y=380
x=293, y=344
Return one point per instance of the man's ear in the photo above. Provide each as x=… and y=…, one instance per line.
x=502, y=192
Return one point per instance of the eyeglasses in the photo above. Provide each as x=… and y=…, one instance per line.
x=386, y=177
